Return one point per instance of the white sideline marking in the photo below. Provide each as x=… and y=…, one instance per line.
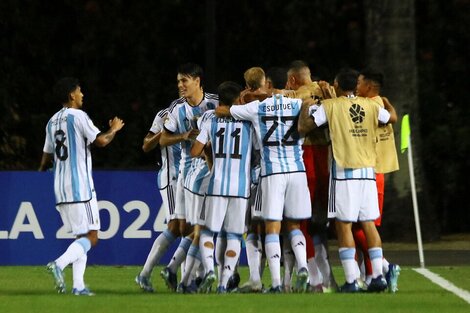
x=438, y=280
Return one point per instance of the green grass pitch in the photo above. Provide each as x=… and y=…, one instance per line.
x=30, y=289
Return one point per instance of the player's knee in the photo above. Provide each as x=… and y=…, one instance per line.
x=209, y=245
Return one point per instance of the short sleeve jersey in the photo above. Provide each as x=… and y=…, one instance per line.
x=275, y=124
x=171, y=155
x=182, y=117
x=69, y=134
x=231, y=143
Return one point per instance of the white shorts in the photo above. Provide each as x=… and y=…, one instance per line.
x=168, y=201
x=285, y=196
x=179, y=199
x=224, y=213
x=353, y=200
x=80, y=218
x=194, y=203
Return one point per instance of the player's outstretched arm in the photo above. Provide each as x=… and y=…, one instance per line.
x=103, y=139
x=306, y=122
x=151, y=141
x=197, y=148
x=169, y=139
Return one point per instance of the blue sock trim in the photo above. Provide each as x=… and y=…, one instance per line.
x=316, y=240
x=252, y=237
x=185, y=244
x=295, y=232
x=193, y=250
x=168, y=235
x=207, y=232
x=271, y=238
x=85, y=243
x=347, y=253
x=375, y=253
x=233, y=236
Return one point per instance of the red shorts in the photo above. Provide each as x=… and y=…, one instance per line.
x=380, y=180
x=316, y=166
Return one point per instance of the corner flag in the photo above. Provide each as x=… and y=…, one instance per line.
x=405, y=133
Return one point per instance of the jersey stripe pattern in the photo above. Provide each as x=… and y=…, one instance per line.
x=183, y=117
x=275, y=124
x=69, y=134
x=171, y=155
x=231, y=142
x=341, y=173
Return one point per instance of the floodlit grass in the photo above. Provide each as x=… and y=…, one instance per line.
x=30, y=289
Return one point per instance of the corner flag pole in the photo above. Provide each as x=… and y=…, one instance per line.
x=406, y=144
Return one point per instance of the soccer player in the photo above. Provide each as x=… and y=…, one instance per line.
x=69, y=135
x=283, y=181
x=255, y=80
x=369, y=83
x=353, y=122
x=316, y=156
x=180, y=128
x=168, y=164
x=229, y=185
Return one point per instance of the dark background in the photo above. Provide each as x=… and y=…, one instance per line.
x=125, y=54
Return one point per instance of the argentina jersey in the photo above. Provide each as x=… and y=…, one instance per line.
x=341, y=173
x=231, y=143
x=170, y=156
x=69, y=134
x=197, y=177
x=275, y=123
x=183, y=117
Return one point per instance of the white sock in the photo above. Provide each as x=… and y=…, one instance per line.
x=253, y=256
x=376, y=258
x=346, y=256
x=297, y=241
x=159, y=247
x=189, y=263
x=207, y=254
x=321, y=258
x=273, y=254
x=78, y=270
x=230, y=262
x=315, y=275
x=76, y=250
x=385, y=265
x=289, y=261
x=220, y=247
x=180, y=254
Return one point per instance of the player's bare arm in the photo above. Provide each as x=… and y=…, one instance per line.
x=103, y=139
x=151, y=140
x=197, y=148
x=327, y=90
x=389, y=107
x=46, y=161
x=169, y=139
x=306, y=122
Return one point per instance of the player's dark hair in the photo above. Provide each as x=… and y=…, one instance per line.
x=347, y=79
x=192, y=70
x=373, y=75
x=297, y=65
x=63, y=88
x=228, y=92
x=278, y=76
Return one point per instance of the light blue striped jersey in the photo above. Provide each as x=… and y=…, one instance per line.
x=182, y=117
x=341, y=173
x=69, y=134
x=275, y=123
x=197, y=178
x=171, y=155
x=231, y=143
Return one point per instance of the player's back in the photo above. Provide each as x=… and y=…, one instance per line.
x=281, y=143
x=69, y=135
x=231, y=150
